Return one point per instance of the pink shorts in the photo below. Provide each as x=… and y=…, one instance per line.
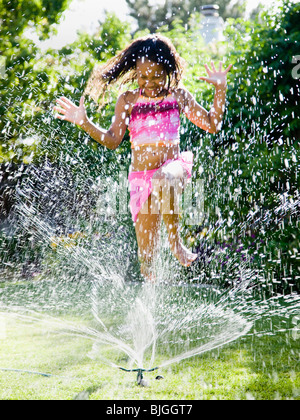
x=141, y=182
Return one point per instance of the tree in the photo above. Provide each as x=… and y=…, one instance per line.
x=153, y=16
x=17, y=15
x=24, y=85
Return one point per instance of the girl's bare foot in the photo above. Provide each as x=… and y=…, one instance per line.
x=184, y=256
x=147, y=272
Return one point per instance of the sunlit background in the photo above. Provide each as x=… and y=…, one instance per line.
x=83, y=15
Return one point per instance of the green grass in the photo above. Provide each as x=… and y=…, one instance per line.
x=253, y=367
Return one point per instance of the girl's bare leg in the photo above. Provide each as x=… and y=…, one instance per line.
x=168, y=184
x=183, y=254
x=171, y=220
x=147, y=228
x=169, y=187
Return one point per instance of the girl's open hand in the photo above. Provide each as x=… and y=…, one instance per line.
x=216, y=78
x=68, y=111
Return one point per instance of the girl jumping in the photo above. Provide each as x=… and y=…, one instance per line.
x=159, y=171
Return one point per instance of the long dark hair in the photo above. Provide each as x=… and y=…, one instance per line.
x=122, y=67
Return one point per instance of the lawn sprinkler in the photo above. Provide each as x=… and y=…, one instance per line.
x=140, y=377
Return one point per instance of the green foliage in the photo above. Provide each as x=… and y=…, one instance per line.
x=250, y=169
x=156, y=15
x=256, y=155
x=31, y=136
x=111, y=36
x=32, y=82
x=18, y=15
x=26, y=80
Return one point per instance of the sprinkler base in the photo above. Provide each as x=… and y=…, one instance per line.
x=140, y=377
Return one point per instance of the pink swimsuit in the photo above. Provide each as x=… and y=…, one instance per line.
x=153, y=122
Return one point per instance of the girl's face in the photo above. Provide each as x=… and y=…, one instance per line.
x=151, y=77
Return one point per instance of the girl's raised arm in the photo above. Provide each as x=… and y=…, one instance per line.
x=208, y=121
x=110, y=138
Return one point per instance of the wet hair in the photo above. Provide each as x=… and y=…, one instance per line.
x=122, y=67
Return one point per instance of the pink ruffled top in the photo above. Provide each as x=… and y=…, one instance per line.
x=154, y=121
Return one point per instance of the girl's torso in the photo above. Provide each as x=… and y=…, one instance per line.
x=150, y=154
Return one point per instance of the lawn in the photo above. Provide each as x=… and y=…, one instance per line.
x=254, y=367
